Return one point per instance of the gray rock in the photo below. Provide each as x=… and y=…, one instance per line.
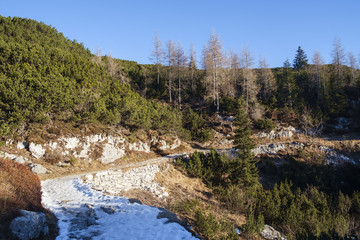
x=21, y=159
x=270, y=233
x=84, y=218
x=108, y=209
x=21, y=145
x=29, y=226
x=37, y=168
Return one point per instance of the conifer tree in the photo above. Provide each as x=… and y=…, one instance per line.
x=300, y=60
x=244, y=170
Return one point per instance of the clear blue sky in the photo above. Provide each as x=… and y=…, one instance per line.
x=270, y=28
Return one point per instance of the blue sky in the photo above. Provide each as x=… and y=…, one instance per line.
x=269, y=28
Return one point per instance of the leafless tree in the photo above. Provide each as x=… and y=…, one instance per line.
x=180, y=62
x=157, y=56
x=353, y=66
x=112, y=66
x=266, y=79
x=338, y=59
x=213, y=61
x=171, y=59
x=310, y=125
x=319, y=74
x=234, y=73
x=192, y=67
x=249, y=86
x=98, y=54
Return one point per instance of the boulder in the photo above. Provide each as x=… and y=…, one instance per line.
x=108, y=209
x=111, y=153
x=37, y=151
x=270, y=233
x=29, y=226
x=37, y=168
x=21, y=159
x=21, y=145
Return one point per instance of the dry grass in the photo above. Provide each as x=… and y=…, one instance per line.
x=19, y=189
x=182, y=189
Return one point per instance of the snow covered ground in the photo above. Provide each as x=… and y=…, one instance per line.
x=85, y=213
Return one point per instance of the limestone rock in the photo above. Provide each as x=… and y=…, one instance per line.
x=37, y=168
x=280, y=132
x=29, y=226
x=111, y=153
x=21, y=159
x=108, y=209
x=15, y=158
x=37, y=151
x=139, y=146
x=270, y=233
x=21, y=145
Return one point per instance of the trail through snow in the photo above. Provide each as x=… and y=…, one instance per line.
x=85, y=213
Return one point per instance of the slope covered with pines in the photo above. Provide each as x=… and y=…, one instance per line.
x=46, y=76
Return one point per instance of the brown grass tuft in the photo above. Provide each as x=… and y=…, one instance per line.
x=19, y=189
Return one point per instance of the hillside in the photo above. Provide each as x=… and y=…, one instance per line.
x=46, y=77
x=92, y=124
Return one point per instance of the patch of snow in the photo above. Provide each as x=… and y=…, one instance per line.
x=66, y=198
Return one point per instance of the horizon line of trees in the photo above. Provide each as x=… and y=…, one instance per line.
x=324, y=88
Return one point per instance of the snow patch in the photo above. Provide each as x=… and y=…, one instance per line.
x=70, y=200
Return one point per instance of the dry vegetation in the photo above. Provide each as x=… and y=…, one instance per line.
x=20, y=189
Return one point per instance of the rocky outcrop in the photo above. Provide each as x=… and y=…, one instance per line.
x=111, y=153
x=334, y=157
x=85, y=217
x=139, y=147
x=108, y=209
x=279, y=132
x=36, y=150
x=29, y=226
x=117, y=181
x=274, y=148
x=15, y=158
x=270, y=233
x=105, y=149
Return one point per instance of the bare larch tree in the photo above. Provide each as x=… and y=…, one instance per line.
x=180, y=63
x=213, y=61
x=170, y=59
x=157, y=56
